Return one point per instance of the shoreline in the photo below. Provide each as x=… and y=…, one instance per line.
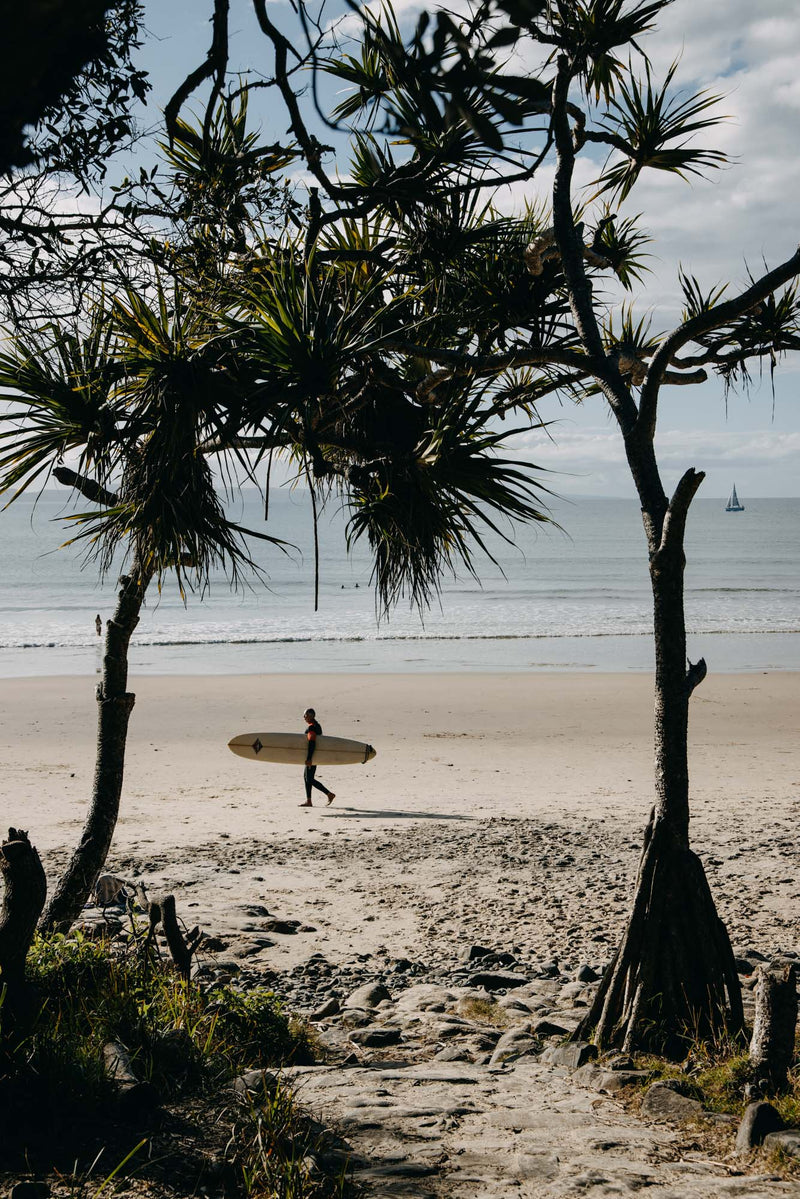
x=623, y=653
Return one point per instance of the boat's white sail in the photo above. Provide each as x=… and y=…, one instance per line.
x=733, y=504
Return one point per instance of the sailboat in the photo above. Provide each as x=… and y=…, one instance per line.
x=733, y=504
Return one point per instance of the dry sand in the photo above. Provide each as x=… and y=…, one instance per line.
x=493, y=801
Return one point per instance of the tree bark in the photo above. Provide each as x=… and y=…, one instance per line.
x=772, y=1045
x=673, y=979
x=182, y=949
x=115, y=704
x=23, y=900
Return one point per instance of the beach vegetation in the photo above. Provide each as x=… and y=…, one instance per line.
x=64, y=1113
x=483, y=1011
x=723, y=1080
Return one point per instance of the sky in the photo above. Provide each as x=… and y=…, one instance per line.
x=744, y=215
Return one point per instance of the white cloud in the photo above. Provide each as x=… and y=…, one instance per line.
x=591, y=460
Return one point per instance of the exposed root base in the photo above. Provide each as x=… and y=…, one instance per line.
x=673, y=979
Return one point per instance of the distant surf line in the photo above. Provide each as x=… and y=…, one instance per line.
x=426, y=638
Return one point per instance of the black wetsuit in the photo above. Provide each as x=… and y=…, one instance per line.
x=313, y=731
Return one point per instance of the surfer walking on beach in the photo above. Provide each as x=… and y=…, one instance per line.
x=313, y=730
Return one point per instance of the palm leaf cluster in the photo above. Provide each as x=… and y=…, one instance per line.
x=590, y=31
x=132, y=405
x=652, y=128
x=427, y=512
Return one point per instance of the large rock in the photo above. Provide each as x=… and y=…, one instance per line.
x=329, y=1008
x=286, y=928
x=548, y=1028
x=664, y=1102
x=572, y=1055
x=471, y=953
x=496, y=980
x=611, y=1081
x=29, y=1189
x=453, y=1053
x=787, y=1141
x=422, y=996
x=254, y=1083
x=513, y=1044
x=357, y=1017
x=376, y=1038
x=758, y=1120
x=368, y=996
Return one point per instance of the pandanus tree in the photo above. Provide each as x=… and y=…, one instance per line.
x=272, y=351
x=517, y=308
x=131, y=400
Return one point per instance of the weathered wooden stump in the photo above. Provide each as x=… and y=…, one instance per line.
x=134, y=1098
x=182, y=949
x=23, y=900
x=772, y=1044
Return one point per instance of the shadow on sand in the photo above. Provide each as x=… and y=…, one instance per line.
x=388, y=814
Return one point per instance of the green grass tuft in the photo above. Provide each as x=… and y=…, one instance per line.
x=57, y=1108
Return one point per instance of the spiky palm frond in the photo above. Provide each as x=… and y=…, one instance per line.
x=696, y=300
x=425, y=513
x=631, y=343
x=180, y=391
x=522, y=389
x=773, y=326
x=763, y=334
x=308, y=328
x=591, y=30
x=621, y=242
x=219, y=161
x=169, y=511
x=440, y=91
x=60, y=386
x=645, y=124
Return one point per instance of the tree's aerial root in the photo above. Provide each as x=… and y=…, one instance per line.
x=673, y=979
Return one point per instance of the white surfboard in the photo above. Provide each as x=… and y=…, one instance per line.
x=291, y=748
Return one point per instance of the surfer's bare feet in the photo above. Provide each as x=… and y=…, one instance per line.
x=307, y=804
x=331, y=797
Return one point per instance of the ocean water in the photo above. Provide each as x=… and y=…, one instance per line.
x=572, y=600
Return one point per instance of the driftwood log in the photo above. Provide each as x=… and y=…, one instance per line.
x=133, y=1096
x=772, y=1044
x=23, y=900
x=182, y=948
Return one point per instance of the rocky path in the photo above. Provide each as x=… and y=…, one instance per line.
x=493, y=1115
x=436, y=1080
x=523, y=1131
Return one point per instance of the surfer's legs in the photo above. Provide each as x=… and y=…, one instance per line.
x=308, y=779
x=311, y=781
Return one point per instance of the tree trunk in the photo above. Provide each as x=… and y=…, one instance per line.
x=673, y=979
x=115, y=704
x=772, y=1046
x=23, y=900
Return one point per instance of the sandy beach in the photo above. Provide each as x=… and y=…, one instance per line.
x=500, y=806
